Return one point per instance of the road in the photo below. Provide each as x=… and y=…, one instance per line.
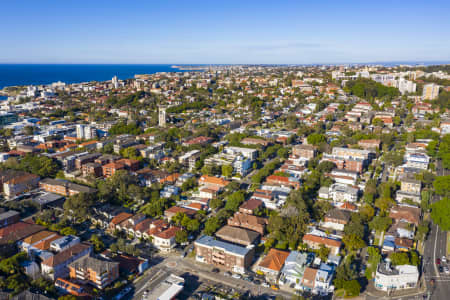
x=197, y=276
x=435, y=247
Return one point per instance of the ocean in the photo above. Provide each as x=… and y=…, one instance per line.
x=35, y=74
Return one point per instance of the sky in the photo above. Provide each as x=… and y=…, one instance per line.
x=223, y=32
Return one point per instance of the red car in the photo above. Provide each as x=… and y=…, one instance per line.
x=438, y=261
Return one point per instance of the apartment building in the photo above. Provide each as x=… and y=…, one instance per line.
x=304, y=151
x=20, y=184
x=396, y=278
x=99, y=273
x=9, y=217
x=64, y=187
x=430, y=91
x=223, y=254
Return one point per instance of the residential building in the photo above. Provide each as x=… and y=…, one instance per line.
x=165, y=240
x=336, y=219
x=273, y=262
x=20, y=184
x=393, y=278
x=246, y=221
x=223, y=254
x=64, y=187
x=99, y=273
x=304, y=151
x=343, y=193
x=430, y=91
x=315, y=242
x=56, y=265
x=237, y=235
x=9, y=217
x=294, y=268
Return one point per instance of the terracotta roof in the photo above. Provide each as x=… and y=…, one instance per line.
x=251, y=204
x=37, y=237
x=321, y=240
x=309, y=277
x=168, y=233
x=64, y=255
x=120, y=218
x=45, y=244
x=274, y=260
x=18, y=231
x=205, y=179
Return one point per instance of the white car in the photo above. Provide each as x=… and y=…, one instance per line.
x=444, y=259
x=236, y=276
x=265, y=284
x=446, y=270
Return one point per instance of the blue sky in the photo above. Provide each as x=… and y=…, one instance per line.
x=171, y=31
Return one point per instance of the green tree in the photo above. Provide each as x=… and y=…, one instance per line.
x=380, y=223
x=316, y=138
x=353, y=242
x=352, y=288
x=181, y=236
x=234, y=201
x=211, y=225
x=79, y=205
x=227, y=171
x=99, y=246
x=442, y=185
x=440, y=212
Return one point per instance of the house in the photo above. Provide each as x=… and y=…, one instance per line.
x=255, y=141
x=315, y=242
x=64, y=242
x=336, y=219
x=307, y=283
x=250, y=206
x=130, y=264
x=115, y=222
x=92, y=169
x=323, y=281
x=172, y=211
x=238, y=235
x=18, y=231
x=99, y=273
x=273, y=262
x=405, y=213
x=294, y=268
x=9, y=217
x=223, y=254
x=213, y=182
x=396, y=278
x=56, y=265
x=20, y=184
x=246, y=221
x=165, y=240
x=28, y=243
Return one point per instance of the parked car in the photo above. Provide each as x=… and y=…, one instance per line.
x=265, y=284
x=438, y=261
x=236, y=276
x=444, y=259
x=227, y=273
x=215, y=270
x=441, y=269
x=257, y=281
x=446, y=270
x=274, y=287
